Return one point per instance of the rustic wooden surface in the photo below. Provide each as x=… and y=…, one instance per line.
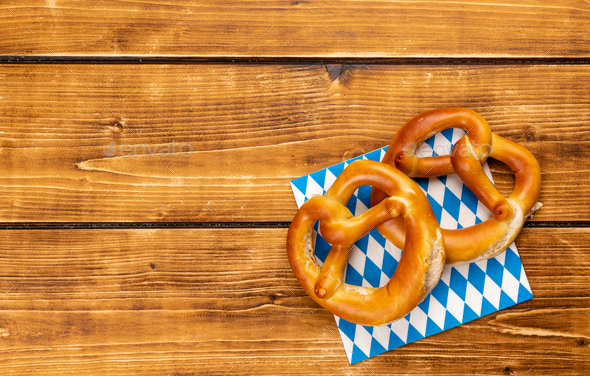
x=254, y=129
x=197, y=301
x=264, y=92
x=403, y=29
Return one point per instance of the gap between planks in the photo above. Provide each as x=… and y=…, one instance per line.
x=142, y=60
x=210, y=225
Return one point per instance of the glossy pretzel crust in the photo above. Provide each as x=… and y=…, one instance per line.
x=418, y=271
x=492, y=237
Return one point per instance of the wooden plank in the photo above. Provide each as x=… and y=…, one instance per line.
x=184, y=301
x=374, y=29
x=252, y=129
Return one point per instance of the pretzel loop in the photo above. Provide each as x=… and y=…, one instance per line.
x=411, y=136
x=486, y=239
x=418, y=271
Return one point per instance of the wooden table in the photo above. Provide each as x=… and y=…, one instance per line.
x=153, y=263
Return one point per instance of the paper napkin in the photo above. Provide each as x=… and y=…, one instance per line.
x=464, y=293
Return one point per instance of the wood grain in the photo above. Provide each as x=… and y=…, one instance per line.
x=200, y=302
x=252, y=129
x=373, y=29
x=225, y=301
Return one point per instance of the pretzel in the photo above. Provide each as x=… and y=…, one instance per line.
x=487, y=239
x=418, y=271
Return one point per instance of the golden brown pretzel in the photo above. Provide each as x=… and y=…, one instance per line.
x=486, y=239
x=418, y=271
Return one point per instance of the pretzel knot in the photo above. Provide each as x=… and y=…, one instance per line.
x=486, y=239
x=418, y=271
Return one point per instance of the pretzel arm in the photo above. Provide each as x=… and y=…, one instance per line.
x=461, y=245
x=467, y=165
x=423, y=167
x=332, y=273
x=352, y=229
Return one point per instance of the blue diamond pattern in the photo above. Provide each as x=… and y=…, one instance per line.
x=300, y=183
x=451, y=321
x=469, y=315
x=451, y=203
x=394, y=341
x=378, y=238
x=487, y=307
x=495, y=270
x=513, y=263
x=432, y=328
x=353, y=277
x=319, y=177
x=347, y=327
x=524, y=294
x=441, y=293
x=505, y=300
x=376, y=348
x=372, y=273
x=389, y=264
x=458, y=283
x=477, y=277
x=448, y=133
x=469, y=199
x=364, y=195
x=436, y=207
x=424, y=305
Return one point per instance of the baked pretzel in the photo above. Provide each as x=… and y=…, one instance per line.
x=487, y=239
x=418, y=271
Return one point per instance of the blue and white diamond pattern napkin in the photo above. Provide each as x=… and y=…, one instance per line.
x=464, y=293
